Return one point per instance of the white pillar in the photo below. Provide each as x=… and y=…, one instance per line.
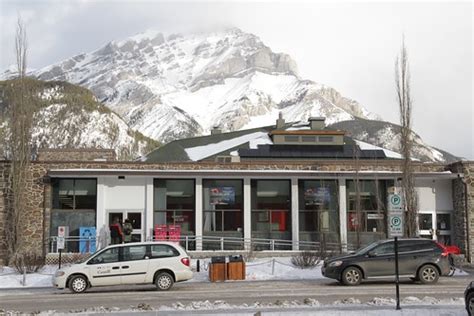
x=295, y=228
x=149, y=198
x=343, y=213
x=199, y=213
x=101, y=217
x=247, y=212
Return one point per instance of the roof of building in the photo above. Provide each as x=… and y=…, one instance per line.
x=257, y=143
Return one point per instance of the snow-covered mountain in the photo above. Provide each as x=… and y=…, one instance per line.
x=68, y=116
x=182, y=86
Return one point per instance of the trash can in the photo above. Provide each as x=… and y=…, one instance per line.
x=236, y=268
x=217, y=269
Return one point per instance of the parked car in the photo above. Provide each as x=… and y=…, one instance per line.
x=469, y=298
x=159, y=263
x=420, y=259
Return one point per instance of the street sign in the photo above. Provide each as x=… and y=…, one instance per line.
x=61, y=242
x=63, y=231
x=395, y=203
x=395, y=225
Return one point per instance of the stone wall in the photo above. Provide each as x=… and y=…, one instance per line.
x=76, y=154
x=38, y=195
x=463, y=215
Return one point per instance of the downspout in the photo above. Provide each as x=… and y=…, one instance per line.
x=468, y=217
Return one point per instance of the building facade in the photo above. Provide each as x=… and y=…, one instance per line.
x=271, y=201
x=284, y=187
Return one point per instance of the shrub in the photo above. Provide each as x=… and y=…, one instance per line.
x=306, y=259
x=27, y=262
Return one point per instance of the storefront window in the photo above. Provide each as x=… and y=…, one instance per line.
x=223, y=212
x=74, y=205
x=271, y=216
x=318, y=211
x=366, y=218
x=174, y=204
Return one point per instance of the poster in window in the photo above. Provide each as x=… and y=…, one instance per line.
x=87, y=239
x=317, y=196
x=222, y=196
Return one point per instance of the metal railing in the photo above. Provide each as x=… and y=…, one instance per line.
x=214, y=243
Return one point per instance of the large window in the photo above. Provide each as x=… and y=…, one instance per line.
x=318, y=211
x=223, y=212
x=271, y=216
x=174, y=204
x=366, y=218
x=74, y=205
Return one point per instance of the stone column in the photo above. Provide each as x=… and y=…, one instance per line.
x=247, y=213
x=295, y=228
x=343, y=214
x=199, y=213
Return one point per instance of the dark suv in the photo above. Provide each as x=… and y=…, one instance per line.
x=422, y=260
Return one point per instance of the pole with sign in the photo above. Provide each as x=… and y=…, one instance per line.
x=63, y=231
x=395, y=230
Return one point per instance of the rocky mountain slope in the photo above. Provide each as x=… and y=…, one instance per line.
x=182, y=86
x=387, y=135
x=68, y=116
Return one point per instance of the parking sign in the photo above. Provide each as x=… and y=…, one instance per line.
x=395, y=225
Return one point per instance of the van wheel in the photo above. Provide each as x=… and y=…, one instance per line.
x=470, y=304
x=351, y=276
x=164, y=281
x=78, y=284
x=428, y=274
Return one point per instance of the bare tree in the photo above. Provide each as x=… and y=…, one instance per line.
x=403, y=88
x=20, y=117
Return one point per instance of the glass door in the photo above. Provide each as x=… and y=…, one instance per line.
x=425, y=225
x=136, y=219
x=443, y=228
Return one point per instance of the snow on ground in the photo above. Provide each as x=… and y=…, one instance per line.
x=9, y=278
x=260, y=269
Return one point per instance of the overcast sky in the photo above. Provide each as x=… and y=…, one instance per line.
x=350, y=46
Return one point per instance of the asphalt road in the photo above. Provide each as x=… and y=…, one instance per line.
x=237, y=292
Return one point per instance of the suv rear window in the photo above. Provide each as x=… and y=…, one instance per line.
x=163, y=251
x=417, y=245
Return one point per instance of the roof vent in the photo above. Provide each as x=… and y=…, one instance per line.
x=216, y=130
x=280, y=123
x=317, y=123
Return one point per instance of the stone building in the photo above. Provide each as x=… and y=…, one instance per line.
x=288, y=187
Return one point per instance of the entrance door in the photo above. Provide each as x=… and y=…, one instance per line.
x=135, y=217
x=443, y=228
x=426, y=225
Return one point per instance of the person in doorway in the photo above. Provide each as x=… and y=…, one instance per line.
x=127, y=231
x=116, y=233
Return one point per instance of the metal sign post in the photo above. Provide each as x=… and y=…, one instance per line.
x=397, y=276
x=395, y=230
x=63, y=231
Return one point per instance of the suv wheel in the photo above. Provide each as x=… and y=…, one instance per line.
x=351, y=276
x=164, y=281
x=78, y=284
x=428, y=274
x=470, y=304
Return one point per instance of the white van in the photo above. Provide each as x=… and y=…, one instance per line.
x=159, y=263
